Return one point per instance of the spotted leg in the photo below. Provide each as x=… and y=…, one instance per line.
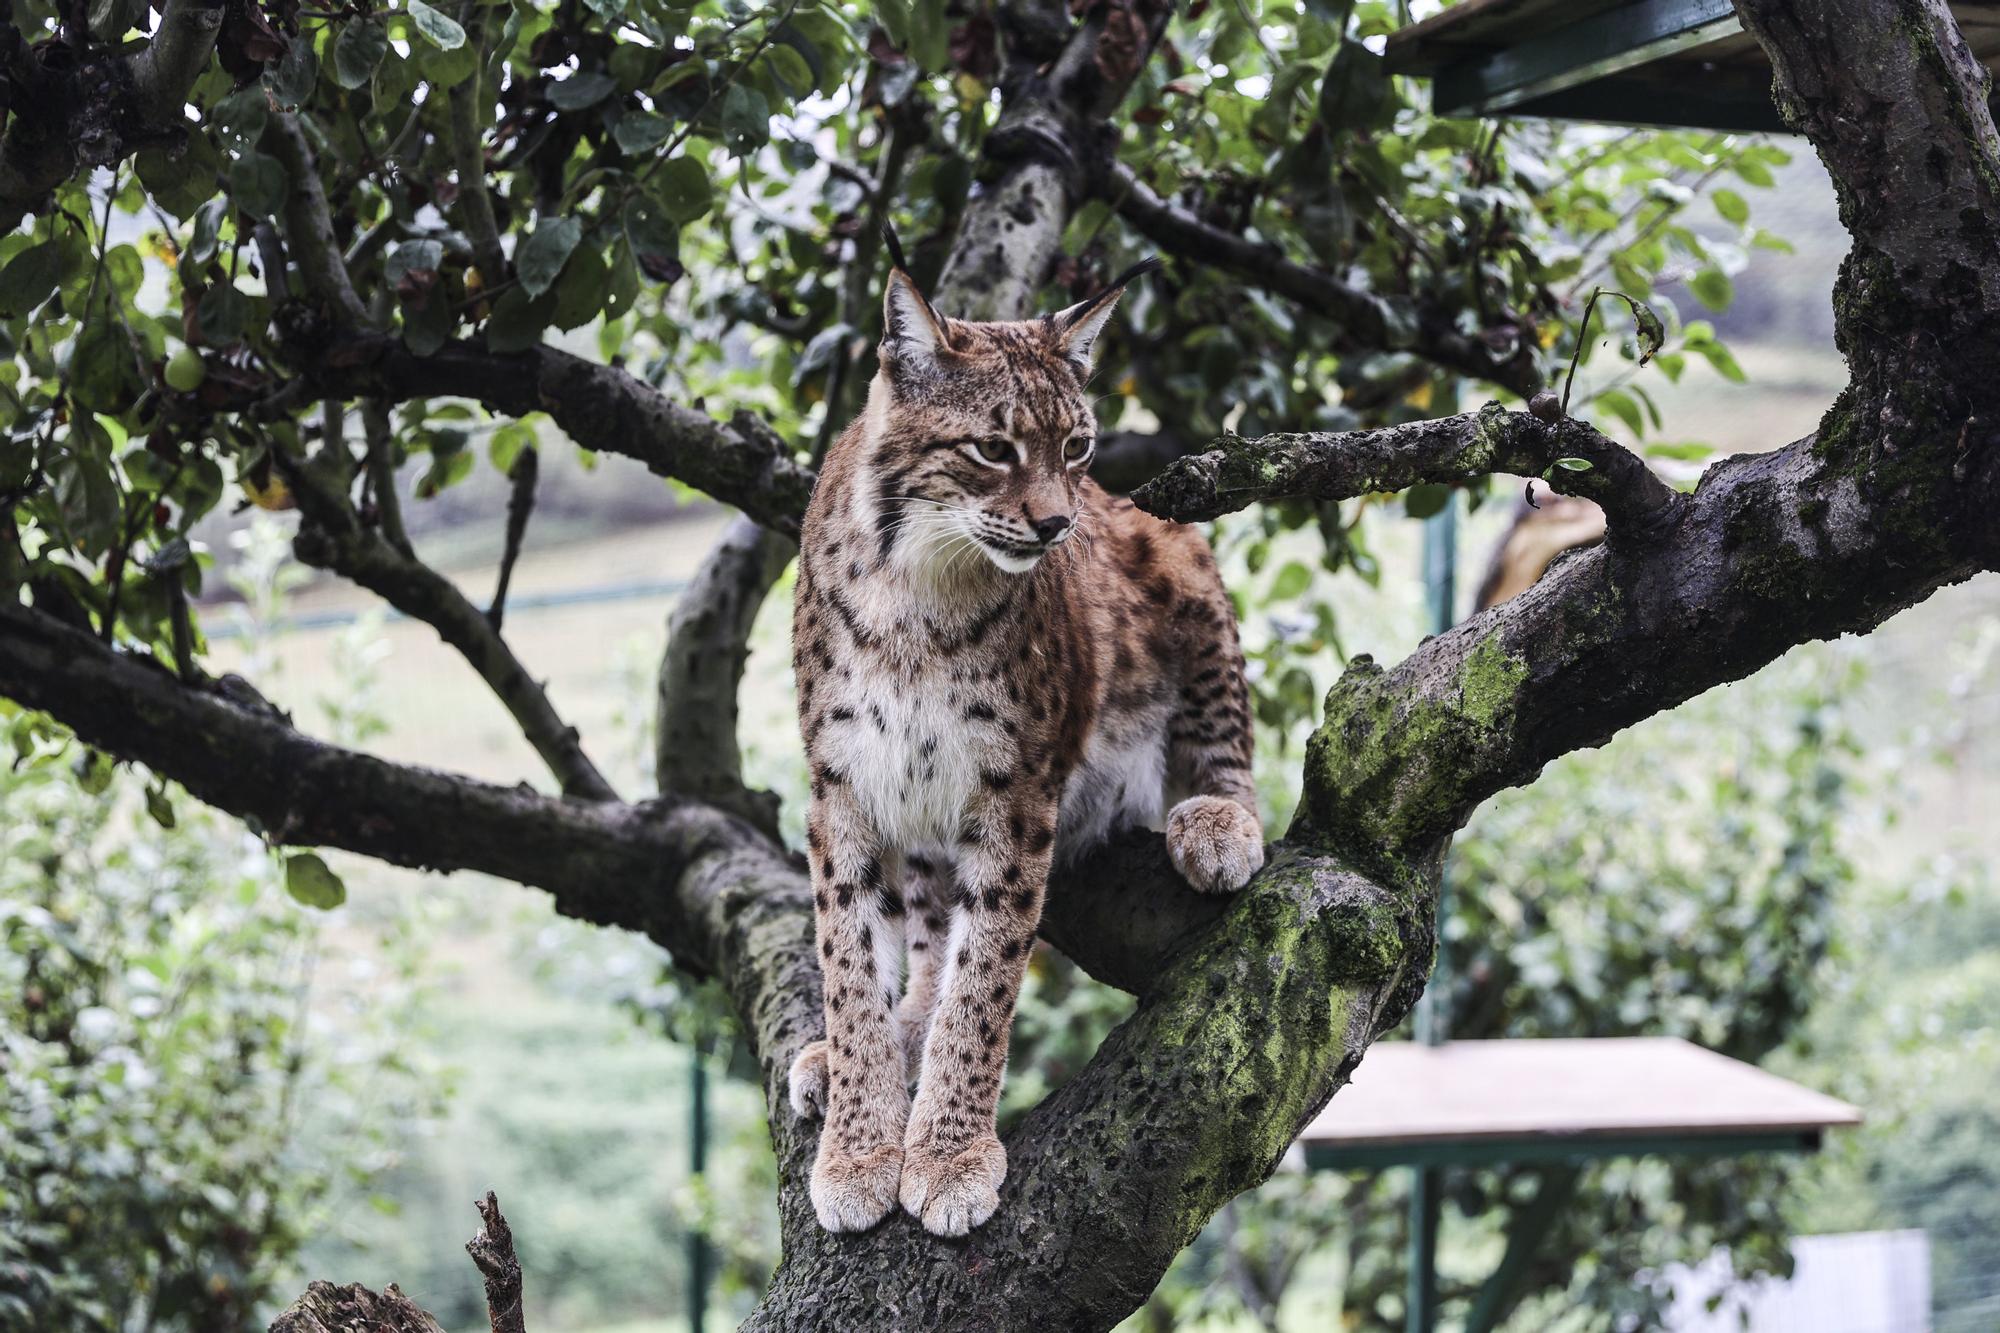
x=952, y=1159
x=1214, y=837
x=927, y=910
x=860, y=1161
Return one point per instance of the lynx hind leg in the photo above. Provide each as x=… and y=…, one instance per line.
x=1215, y=843
x=808, y=1080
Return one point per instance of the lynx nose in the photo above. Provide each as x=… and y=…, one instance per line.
x=1050, y=528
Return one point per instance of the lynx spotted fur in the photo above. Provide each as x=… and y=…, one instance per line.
x=998, y=664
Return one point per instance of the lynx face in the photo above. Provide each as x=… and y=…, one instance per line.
x=980, y=434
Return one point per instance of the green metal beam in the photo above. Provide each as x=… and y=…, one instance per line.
x=1579, y=52
x=1738, y=105
x=1552, y=1148
x=1421, y=1294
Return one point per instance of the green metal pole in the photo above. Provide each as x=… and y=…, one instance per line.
x=1427, y=1183
x=697, y=1241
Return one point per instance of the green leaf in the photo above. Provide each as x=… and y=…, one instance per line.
x=258, y=184
x=1426, y=499
x=894, y=16
x=507, y=443
x=443, y=33
x=159, y=807
x=102, y=374
x=93, y=772
x=1355, y=92
x=1291, y=581
x=790, y=69
x=581, y=90
x=518, y=320
x=683, y=190
x=311, y=883
x=290, y=82
x=1622, y=405
x=181, y=181
x=541, y=260
x=586, y=281
x=745, y=120
x=1652, y=334
x=358, y=51
x=1573, y=464
x=441, y=67
x=1712, y=288
x=222, y=313
x=1689, y=452
x=1756, y=173
x=1731, y=206
x=29, y=279
x=930, y=41
x=207, y=235
x=654, y=238
x=640, y=132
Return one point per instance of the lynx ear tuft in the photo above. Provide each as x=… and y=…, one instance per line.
x=1076, y=328
x=913, y=334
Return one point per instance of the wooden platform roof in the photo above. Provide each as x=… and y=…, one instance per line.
x=1642, y=62
x=1485, y=1102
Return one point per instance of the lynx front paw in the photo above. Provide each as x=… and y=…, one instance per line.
x=854, y=1191
x=1215, y=843
x=808, y=1082
x=954, y=1192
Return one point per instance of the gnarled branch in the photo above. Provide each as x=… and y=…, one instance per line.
x=1571, y=456
x=100, y=110
x=708, y=642
x=742, y=462
x=334, y=537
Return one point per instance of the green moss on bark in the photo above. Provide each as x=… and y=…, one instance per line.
x=1383, y=780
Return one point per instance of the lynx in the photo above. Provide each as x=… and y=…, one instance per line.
x=998, y=665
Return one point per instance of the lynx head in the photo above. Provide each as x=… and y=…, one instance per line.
x=979, y=434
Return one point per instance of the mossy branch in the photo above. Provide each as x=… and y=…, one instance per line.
x=1571, y=456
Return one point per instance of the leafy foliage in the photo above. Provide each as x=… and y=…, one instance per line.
x=156, y=1060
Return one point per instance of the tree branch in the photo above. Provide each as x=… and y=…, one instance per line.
x=1343, y=465
x=308, y=224
x=520, y=504
x=333, y=537
x=469, y=109
x=97, y=112
x=708, y=642
x=492, y=1251
x=1011, y=231
x=743, y=463
x=1366, y=319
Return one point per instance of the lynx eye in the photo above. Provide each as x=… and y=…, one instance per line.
x=995, y=450
x=1077, y=449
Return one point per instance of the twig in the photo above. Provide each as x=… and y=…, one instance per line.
x=520, y=504
x=468, y=155
x=492, y=1251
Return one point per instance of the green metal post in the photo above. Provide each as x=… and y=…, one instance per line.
x=697, y=1241
x=1427, y=1182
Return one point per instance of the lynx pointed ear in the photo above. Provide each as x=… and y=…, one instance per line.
x=1076, y=328
x=913, y=335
